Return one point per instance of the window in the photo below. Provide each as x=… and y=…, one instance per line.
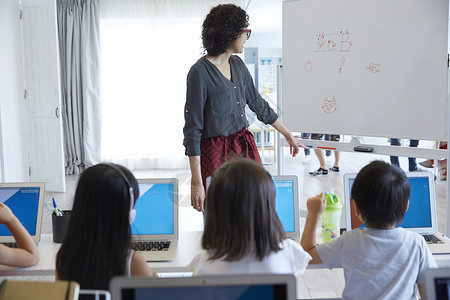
x=147, y=50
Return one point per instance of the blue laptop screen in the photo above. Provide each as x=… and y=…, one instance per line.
x=154, y=209
x=418, y=214
x=24, y=203
x=257, y=292
x=284, y=204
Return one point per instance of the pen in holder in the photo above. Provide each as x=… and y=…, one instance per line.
x=59, y=225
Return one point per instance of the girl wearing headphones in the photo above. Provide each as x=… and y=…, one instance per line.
x=96, y=246
x=243, y=233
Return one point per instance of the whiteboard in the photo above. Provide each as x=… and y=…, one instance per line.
x=366, y=67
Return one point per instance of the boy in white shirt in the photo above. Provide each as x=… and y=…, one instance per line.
x=380, y=261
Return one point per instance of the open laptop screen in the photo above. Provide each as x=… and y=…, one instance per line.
x=285, y=203
x=24, y=203
x=154, y=209
x=421, y=203
x=437, y=283
x=442, y=286
x=230, y=287
x=260, y=292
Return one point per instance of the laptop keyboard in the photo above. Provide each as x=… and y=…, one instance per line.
x=432, y=239
x=10, y=245
x=151, y=246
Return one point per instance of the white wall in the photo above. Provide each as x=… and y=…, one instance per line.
x=13, y=155
x=265, y=22
x=265, y=40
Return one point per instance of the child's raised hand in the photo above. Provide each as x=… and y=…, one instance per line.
x=316, y=204
x=6, y=215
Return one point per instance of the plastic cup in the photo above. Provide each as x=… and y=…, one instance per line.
x=331, y=218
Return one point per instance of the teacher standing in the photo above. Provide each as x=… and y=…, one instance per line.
x=219, y=87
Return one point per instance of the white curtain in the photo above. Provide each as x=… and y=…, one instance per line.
x=147, y=48
x=78, y=31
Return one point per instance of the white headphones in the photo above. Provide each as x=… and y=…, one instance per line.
x=132, y=214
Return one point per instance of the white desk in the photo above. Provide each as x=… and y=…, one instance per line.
x=45, y=267
x=188, y=247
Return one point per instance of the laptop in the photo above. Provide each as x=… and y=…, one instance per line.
x=154, y=232
x=437, y=284
x=421, y=215
x=230, y=287
x=286, y=204
x=26, y=201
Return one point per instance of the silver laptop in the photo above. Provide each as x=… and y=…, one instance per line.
x=154, y=232
x=421, y=215
x=26, y=201
x=230, y=287
x=437, y=284
x=286, y=204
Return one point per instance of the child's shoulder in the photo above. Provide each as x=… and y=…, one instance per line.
x=292, y=245
x=396, y=235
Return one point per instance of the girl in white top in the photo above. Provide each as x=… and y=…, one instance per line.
x=243, y=233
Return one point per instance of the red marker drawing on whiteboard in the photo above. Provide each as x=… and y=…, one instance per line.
x=308, y=66
x=374, y=68
x=342, y=64
x=329, y=106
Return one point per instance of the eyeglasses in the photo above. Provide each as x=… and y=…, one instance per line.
x=248, y=32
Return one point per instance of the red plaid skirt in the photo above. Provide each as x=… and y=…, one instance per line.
x=217, y=150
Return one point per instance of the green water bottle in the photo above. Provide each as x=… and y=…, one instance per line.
x=331, y=217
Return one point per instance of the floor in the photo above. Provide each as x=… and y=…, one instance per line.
x=314, y=283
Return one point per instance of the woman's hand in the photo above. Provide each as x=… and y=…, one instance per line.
x=294, y=145
x=197, y=189
x=197, y=195
x=293, y=142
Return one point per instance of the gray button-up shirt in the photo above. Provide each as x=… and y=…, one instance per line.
x=215, y=106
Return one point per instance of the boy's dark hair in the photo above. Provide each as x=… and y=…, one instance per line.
x=222, y=26
x=240, y=216
x=381, y=192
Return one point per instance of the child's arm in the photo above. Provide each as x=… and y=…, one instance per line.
x=26, y=253
x=316, y=206
x=422, y=291
x=139, y=266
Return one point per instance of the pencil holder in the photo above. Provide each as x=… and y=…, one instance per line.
x=59, y=226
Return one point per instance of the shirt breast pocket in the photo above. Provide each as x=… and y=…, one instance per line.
x=221, y=104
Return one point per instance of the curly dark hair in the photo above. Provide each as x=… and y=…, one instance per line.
x=222, y=26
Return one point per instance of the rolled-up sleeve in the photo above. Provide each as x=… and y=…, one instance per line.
x=193, y=112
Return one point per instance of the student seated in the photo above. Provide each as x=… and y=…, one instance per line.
x=26, y=253
x=380, y=261
x=96, y=246
x=242, y=232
